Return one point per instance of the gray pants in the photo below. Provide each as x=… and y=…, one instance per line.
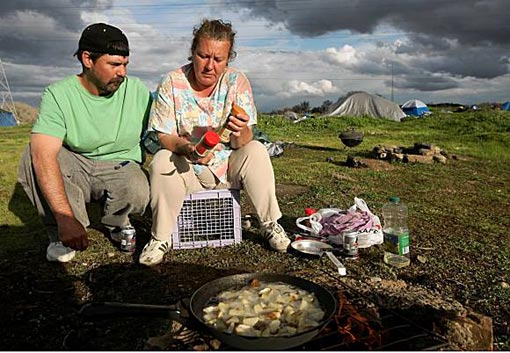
x=124, y=189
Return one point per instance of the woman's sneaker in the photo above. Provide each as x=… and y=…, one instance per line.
x=275, y=236
x=56, y=251
x=153, y=252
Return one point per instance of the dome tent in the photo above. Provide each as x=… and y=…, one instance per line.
x=415, y=107
x=505, y=106
x=365, y=104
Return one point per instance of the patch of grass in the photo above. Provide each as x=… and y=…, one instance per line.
x=458, y=220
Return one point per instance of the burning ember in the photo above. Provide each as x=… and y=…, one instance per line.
x=356, y=327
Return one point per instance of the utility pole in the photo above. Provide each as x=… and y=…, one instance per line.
x=6, y=102
x=392, y=82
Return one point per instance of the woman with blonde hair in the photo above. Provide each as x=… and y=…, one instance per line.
x=196, y=98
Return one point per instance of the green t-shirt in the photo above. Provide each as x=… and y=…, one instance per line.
x=102, y=128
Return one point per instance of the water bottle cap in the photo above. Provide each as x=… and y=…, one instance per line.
x=394, y=199
x=310, y=211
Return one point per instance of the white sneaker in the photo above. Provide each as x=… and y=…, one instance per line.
x=56, y=251
x=275, y=236
x=153, y=252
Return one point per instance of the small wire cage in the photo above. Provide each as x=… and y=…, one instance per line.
x=209, y=218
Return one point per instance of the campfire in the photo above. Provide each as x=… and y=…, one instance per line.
x=357, y=325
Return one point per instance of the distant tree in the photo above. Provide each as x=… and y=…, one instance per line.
x=324, y=107
x=316, y=110
x=301, y=108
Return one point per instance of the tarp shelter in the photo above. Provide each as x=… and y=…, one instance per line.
x=415, y=107
x=364, y=104
x=505, y=106
x=289, y=114
x=7, y=118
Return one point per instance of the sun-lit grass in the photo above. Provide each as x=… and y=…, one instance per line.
x=484, y=135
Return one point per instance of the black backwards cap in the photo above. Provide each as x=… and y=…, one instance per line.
x=99, y=37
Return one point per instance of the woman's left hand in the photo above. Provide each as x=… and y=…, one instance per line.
x=241, y=132
x=237, y=123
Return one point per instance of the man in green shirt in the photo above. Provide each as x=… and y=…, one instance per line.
x=85, y=145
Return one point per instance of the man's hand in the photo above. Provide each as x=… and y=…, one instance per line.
x=44, y=150
x=72, y=233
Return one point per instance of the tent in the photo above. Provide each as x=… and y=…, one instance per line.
x=505, y=106
x=415, y=107
x=364, y=104
x=7, y=118
x=289, y=114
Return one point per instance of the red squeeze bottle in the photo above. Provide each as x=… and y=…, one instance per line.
x=208, y=141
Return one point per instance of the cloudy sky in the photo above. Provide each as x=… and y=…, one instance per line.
x=291, y=50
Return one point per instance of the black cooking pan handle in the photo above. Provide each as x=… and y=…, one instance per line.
x=109, y=309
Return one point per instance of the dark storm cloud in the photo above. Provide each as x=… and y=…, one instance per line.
x=423, y=83
x=469, y=36
x=64, y=12
x=469, y=21
x=47, y=30
x=475, y=62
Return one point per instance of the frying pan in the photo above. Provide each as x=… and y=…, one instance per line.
x=202, y=298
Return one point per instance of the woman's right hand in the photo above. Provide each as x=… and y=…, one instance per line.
x=188, y=150
x=204, y=160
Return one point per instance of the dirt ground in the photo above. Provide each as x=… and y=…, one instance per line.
x=40, y=301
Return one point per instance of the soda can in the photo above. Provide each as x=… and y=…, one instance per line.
x=128, y=241
x=350, y=244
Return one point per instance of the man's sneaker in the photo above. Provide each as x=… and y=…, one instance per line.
x=56, y=251
x=275, y=236
x=153, y=252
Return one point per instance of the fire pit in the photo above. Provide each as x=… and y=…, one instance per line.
x=359, y=323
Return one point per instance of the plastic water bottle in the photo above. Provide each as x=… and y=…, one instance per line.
x=396, y=234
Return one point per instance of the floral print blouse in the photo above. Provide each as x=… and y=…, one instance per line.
x=176, y=109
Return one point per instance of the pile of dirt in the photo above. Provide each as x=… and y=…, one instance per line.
x=27, y=114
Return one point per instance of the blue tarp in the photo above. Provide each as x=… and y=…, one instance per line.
x=7, y=118
x=505, y=106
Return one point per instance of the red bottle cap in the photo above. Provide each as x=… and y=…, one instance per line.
x=211, y=139
x=310, y=211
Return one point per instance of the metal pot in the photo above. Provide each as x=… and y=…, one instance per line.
x=202, y=298
x=351, y=138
